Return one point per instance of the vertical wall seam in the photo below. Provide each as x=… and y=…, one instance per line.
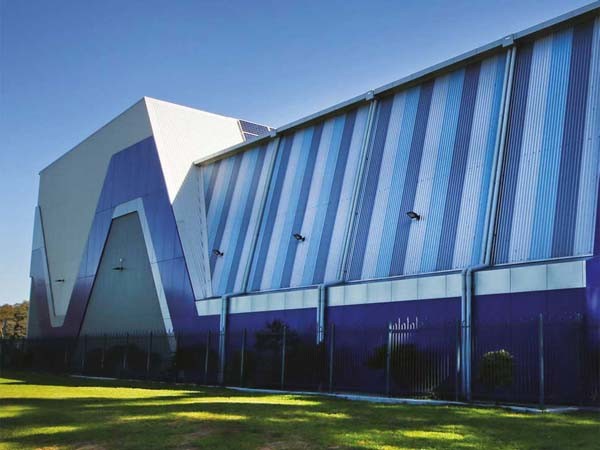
x=492, y=203
x=357, y=192
x=261, y=209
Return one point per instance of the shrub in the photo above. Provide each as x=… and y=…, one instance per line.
x=496, y=369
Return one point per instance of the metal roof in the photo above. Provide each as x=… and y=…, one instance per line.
x=530, y=33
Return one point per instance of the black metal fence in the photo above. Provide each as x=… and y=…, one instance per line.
x=528, y=362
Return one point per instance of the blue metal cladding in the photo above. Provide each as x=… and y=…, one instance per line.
x=550, y=174
x=132, y=173
x=310, y=194
x=431, y=151
x=233, y=189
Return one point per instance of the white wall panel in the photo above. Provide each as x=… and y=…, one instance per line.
x=69, y=192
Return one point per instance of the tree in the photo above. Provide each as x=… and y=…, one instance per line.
x=13, y=320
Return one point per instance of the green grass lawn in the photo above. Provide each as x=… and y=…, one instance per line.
x=66, y=413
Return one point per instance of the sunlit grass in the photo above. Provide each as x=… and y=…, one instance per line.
x=66, y=413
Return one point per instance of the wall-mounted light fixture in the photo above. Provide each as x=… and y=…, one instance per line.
x=299, y=237
x=413, y=215
x=60, y=280
x=217, y=252
x=120, y=266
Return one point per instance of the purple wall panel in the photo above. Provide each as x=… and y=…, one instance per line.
x=378, y=315
x=361, y=332
x=510, y=322
x=593, y=290
x=208, y=323
x=300, y=320
x=522, y=306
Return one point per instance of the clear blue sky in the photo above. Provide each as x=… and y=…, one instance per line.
x=68, y=67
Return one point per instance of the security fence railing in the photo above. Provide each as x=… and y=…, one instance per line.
x=534, y=361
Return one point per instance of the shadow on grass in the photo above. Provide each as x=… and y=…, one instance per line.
x=42, y=411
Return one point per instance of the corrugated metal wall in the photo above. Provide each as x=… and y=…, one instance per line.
x=550, y=172
x=233, y=188
x=431, y=152
x=310, y=194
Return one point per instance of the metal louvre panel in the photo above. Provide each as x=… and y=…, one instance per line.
x=233, y=188
x=431, y=152
x=550, y=175
x=310, y=194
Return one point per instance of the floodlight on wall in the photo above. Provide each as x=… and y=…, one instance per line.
x=217, y=252
x=120, y=266
x=413, y=215
x=60, y=280
x=299, y=237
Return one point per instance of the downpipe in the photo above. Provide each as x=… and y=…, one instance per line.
x=490, y=226
x=466, y=319
x=322, y=307
x=223, y=332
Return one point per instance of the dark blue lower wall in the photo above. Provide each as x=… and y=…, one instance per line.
x=296, y=319
x=511, y=322
x=521, y=306
x=379, y=315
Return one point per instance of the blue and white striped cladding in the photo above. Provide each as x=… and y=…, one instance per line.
x=233, y=188
x=310, y=194
x=431, y=151
x=550, y=173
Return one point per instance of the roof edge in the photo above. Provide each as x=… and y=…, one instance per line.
x=417, y=77
x=98, y=130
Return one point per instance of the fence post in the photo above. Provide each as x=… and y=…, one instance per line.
x=388, y=360
x=148, y=355
x=242, y=357
x=223, y=338
x=206, y=357
x=331, y=353
x=541, y=360
x=83, y=353
x=458, y=356
x=283, y=349
x=1, y=355
x=176, y=368
x=102, y=356
x=125, y=351
x=579, y=356
x=66, y=358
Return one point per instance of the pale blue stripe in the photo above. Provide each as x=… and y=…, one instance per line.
x=219, y=194
x=442, y=172
x=547, y=186
x=314, y=239
x=477, y=251
x=588, y=182
x=386, y=246
x=283, y=240
x=243, y=183
x=529, y=163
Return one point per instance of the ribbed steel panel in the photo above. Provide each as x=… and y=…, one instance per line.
x=233, y=188
x=550, y=175
x=431, y=152
x=310, y=194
